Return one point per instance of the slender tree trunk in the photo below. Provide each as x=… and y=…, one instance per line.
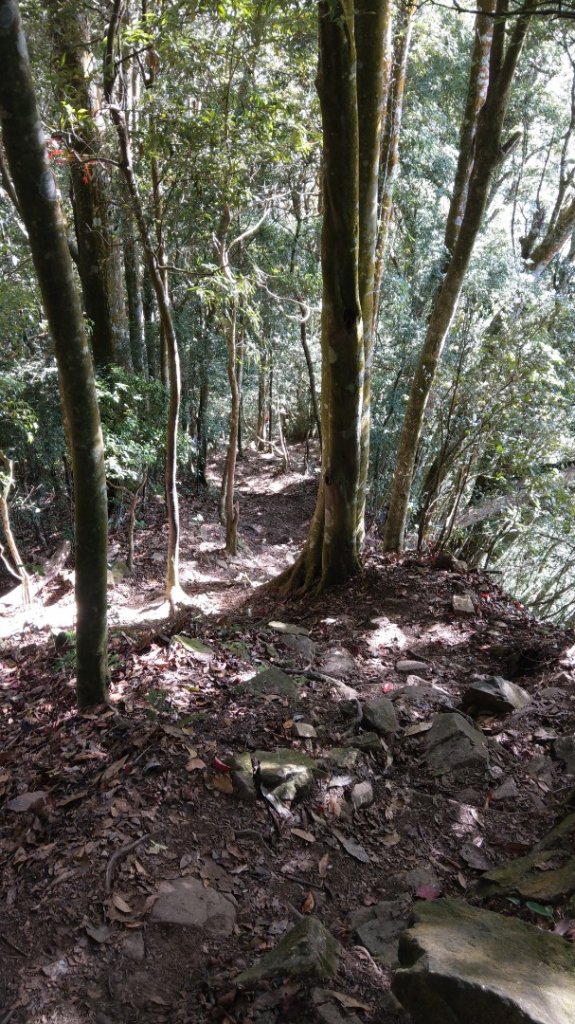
x=202, y=430
x=133, y=279
x=304, y=316
x=174, y=593
x=232, y=509
x=373, y=45
x=19, y=570
x=488, y=150
x=240, y=358
x=42, y=215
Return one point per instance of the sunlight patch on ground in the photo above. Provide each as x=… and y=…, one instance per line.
x=385, y=634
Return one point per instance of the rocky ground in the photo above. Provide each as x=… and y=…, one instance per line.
x=275, y=791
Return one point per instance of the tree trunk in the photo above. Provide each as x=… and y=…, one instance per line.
x=42, y=215
x=133, y=279
x=174, y=593
x=331, y=552
x=232, y=510
x=487, y=155
x=99, y=247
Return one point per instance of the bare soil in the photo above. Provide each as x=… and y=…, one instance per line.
x=138, y=792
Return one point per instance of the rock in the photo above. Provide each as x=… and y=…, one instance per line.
x=462, y=965
x=368, y=742
x=378, y=928
x=449, y=563
x=564, y=750
x=243, y=777
x=421, y=691
x=462, y=604
x=308, y=949
x=544, y=875
x=493, y=693
x=407, y=665
x=300, y=645
x=422, y=875
x=269, y=680
x=506, y=791
x=35, y=801
x=338, y=662
x=304, y=731
x=380, y=716
x=288, y=628
x=133, y=947
x=342, y=757
x=361, y=795
x=191, y=905
x=327, y=1009
x=452, y=742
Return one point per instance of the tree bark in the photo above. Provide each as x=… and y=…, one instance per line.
x=42, y=215
x=99, y=247
x=488, y=151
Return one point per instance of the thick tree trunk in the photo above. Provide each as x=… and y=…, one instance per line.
x=42, y=215
x=488, y=151
x=99, y=248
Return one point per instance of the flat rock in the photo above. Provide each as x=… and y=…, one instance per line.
x=328, y=1010
x=191, y=905
x=367, y=742
x=453, y=743
x=462, y=965
x=133, y=947
x=284, y=771
x=338, y=662
x=342, y=757
x=288, y=628
x=380, y=716
x=270, y=681
x=304, y=731
x=493, y=693
x=564, y=750
x=462, y=604
x=378, y=928
x=543, y=875
x=421, y=691
x=408, y=665
x=308, y=949
x=361, y=795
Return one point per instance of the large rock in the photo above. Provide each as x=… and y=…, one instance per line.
x=461, y=965
x=192, y=905
x=308, y=949
x=493, y=693
x=380, y=716
x=547, y=874
x=339, y=662
x=270, y=681
x=453, y=743
x=283, y=771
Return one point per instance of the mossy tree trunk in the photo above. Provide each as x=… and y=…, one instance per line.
x=484, y=137
x=99, y=246
x=42, y=216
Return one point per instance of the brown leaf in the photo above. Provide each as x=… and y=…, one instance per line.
x=120, y=904
x=354, y=849
x=308, y=904
x=194, y=764
x=308, y=837
x=323, y=865
x=223, y=784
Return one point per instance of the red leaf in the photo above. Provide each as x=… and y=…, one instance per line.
x=221, y=766
x=428, y=892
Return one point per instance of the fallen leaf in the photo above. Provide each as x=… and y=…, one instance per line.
x=350, y=1002
x=308, y=837
x=391, y=839
x=195, y=764
x=308, y=904
x=120, y=904
x=323, y=865
x=223, y=784
x=354, y=849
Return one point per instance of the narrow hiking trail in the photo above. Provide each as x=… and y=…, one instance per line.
x=323, y=764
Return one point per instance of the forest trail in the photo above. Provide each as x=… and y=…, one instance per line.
x=174, y=805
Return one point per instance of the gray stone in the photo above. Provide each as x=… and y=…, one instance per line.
x=328, y=1010
x=304, y=731
x=453, y=743
x=288, y=628
x=493, y=693
x=308, y=949
x=380, y=716
x=407, y=665
x=421, y=691
x=191, y=905
x=269, y=680
x=361, y=795
x=506, y=791
x=378, y=928
x=564, y=749
x=300, y=645
x=546, y=876
x=342, y=757
x=462, y=965
x=339, y=663
x=462, y=604
x=133, y=947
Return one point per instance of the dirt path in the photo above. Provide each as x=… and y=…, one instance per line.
x=102, y=815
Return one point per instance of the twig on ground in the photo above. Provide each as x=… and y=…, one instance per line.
x=119, y=855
